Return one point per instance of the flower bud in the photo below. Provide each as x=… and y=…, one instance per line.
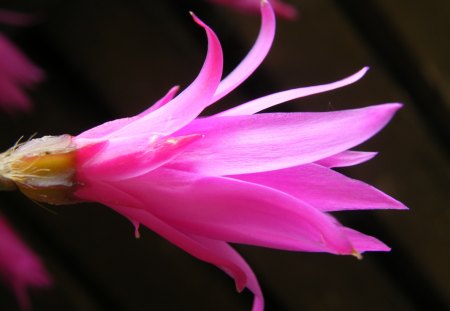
x=43, y=169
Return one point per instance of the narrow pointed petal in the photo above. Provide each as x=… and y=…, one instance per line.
x=217, y=253
x=190, y=103
x=254, y=58
x=365, y=243
x=146, y=155
x=324, y=188
x=19, y=266
x=236, y=211
x=110, y=127
x=166, y=99
x=12, y=97
x=268, y=101
x=15, y=65
x=226, y=251
x=347, y=158
x=270, y=141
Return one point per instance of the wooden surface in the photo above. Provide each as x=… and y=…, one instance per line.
x=109, y=58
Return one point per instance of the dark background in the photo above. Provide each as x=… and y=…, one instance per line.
x=108, y=58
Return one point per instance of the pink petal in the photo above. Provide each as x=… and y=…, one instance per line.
x=282, y=9
x=110, y=127
x=270, y=141
x=16, y=66
x=215, y=252
x=365, y=243
x=190, y=103
x=113, y=161
x=12, y=97
x=166, y=99
x=347, y=158
x=235, y=211
x=324, y=188
x=19, y=266
x=254, y=58
x=226, y=251
x=271, y=100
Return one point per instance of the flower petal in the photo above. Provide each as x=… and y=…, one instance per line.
x=254, y=58
x=226, y=251
x=19, y=266
x=231, y=210
x=270, y=141
x=215, y=252
x=112, y=161
x=12, y=97
x=271, y=100
x=190, y=103
x=110, y=127
x=347, y=158
x=365, y=243
x=324, y=188
x=16, y=66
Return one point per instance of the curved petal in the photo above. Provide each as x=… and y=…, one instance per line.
x=236, y=211
x=110, y=127
x=19, y=266
x=12, y=97
x=271, y=100
x=16, y=65
x=365, y=243
x=347, y=158
x=166, y=99
x=254, y=58
x=324, y=188
x=146, y=155
x=270, y=141
x=217, y=253
x=190, y=103
x=226, y=251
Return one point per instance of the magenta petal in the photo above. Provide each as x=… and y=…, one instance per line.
x=19, y=266
x=166, y=99
x=190, y=103
x=347, y=158
x=364, y=243
x=226, y=251
x=12, y=97
x=110, y=127
x=270, y=141
x=324, y=188
x=16, y=66
x=145, y=155
x=215, y=252
x=271, y=100
x=236, y=211
x=254, y=58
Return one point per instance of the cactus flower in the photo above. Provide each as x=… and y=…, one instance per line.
x=235, y=177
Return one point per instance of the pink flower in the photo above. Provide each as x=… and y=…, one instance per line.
x=282, y=9
x=16, y=70
x=19, y=266
x=235, y=177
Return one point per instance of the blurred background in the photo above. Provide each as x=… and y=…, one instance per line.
x=106, y=59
